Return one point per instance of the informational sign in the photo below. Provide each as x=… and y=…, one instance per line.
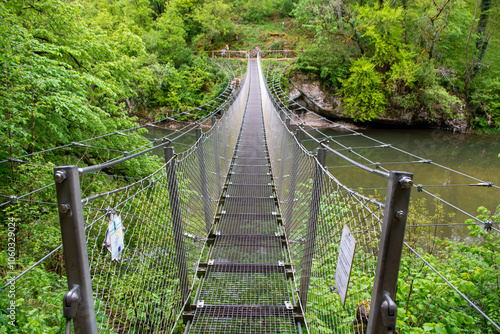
x=344, y=262
x=114, y=237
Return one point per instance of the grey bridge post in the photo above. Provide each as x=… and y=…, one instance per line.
x=284, y=144
x=293, y=182
x=216, y=153
x=175, y=209
x=78, y=303
x=284, y=147
x=383, y=309
x=204, y=182
x=312, y=227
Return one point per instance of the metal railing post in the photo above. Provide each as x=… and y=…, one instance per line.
x=293, y=182
x=312, y=227
x=383, y=309
x=216, y=154
x=284, y=144
x=78, y=303
x=225, y=132
x=203, y=180
x=177, y=225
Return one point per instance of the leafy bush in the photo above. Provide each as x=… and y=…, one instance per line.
x=363, y=92
x=426, y=303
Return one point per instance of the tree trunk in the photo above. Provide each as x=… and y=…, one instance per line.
x=482, y=41
x=339, y=13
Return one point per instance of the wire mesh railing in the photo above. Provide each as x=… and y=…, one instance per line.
x=321, y=217
x=435, y=267
x=144, y=240
x=127, y=292
x=28, y=199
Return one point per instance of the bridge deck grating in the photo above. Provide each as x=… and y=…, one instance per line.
x=250, y=190
x=239, y=178
x=247, y=249
x=245, y=161
x=243, y=319
x=249, y=205
x=247, y=223
x=251, y=169
x=245, y=283
x=230, y=284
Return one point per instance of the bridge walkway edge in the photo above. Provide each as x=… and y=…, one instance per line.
x=245, y=284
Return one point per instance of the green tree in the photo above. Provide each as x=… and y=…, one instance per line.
x=363, y=92
x=214, y=16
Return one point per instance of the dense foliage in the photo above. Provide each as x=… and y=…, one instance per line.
x=74, y=69
x=426, y=303
x=407, y=59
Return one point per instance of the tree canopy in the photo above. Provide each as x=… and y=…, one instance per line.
x=433, y=58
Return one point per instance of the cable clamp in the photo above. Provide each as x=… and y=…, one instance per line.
x=483, y=184
x=299, y=241
x=71, y=301
x=11, y=159
x=13, y=199
x=194, y=237
x=488, y=225
x=389, y=311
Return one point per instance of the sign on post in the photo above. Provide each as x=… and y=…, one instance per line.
x=344, y=262
x=114, y=237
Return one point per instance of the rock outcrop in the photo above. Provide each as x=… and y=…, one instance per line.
x=307, y=91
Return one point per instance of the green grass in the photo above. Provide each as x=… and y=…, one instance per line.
x=274, y=34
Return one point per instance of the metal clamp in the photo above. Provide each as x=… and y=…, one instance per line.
x=389, y=311
x=71, y=301
x=13, y=199
x=488, y=225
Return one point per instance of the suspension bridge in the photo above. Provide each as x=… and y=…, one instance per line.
x=242, y=230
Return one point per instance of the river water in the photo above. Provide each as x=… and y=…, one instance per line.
x=471, y=154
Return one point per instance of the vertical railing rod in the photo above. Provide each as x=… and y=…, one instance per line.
x=78, y=303
x=177, y=225
x=216, y=154
x=293, y=182
x=224, y=141
x=312, y=227
x=383, y=309
x=284, y=144
x=203, y=180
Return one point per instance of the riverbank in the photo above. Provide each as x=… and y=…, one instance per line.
x=308, y=91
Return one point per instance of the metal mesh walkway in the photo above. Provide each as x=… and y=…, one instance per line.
x=246, y=279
